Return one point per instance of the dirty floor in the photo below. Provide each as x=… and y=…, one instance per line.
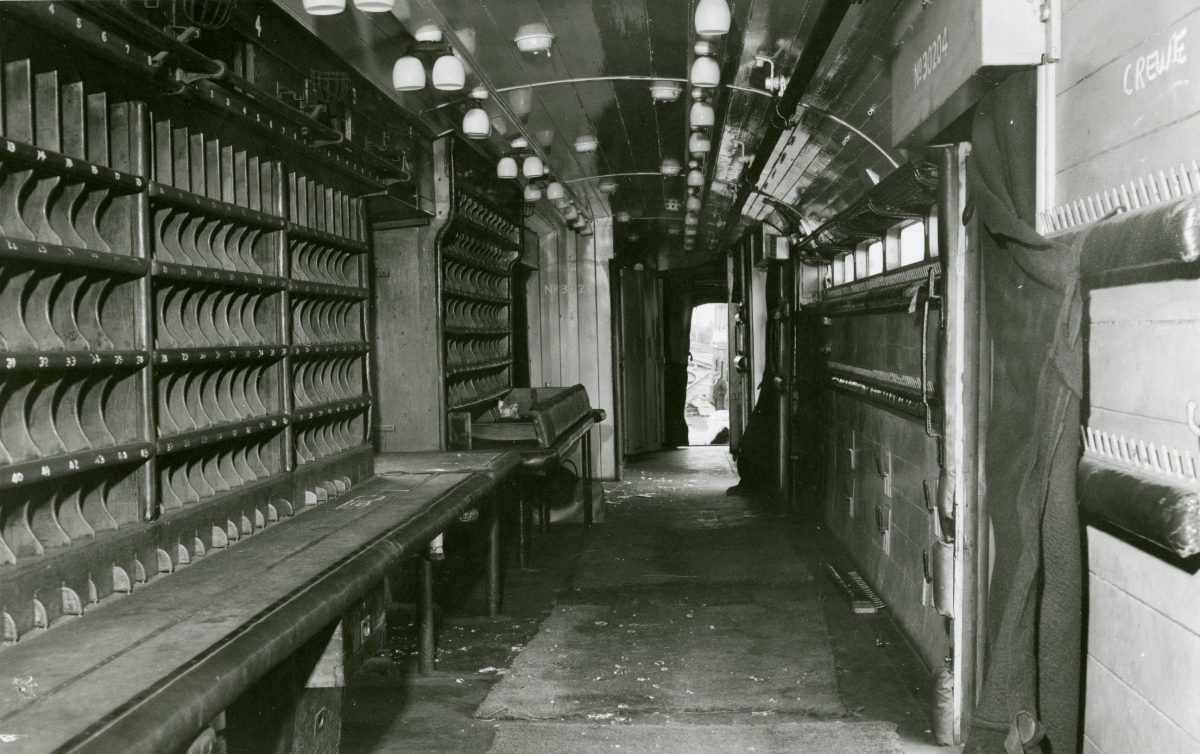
x=690, y=621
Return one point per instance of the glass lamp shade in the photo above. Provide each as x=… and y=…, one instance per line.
x=699, y=144
x=324, y=7
x=506, y=168
x=712, y=18
x=691, y=219
x=693, y=204
x=695, y=178
x=570, y=214
x=665, y=91
x=706, y=72
x=408, y=74
x=532, y=193
x=448, y=74
x=534, y=38
x=671, y=166
x=586, y=143
x=608, y=186
x=554, y=192
x=624, y=217
x=533, y=167
x=499, y=124
x=476, y=124
x=374, y=6
x=520, y=101
x=702, y=115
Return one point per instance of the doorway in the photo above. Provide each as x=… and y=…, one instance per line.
x=707, y=406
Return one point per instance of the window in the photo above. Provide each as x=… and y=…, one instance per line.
x=931, y=223
x=875, y=258
x=839, y=270
x=912, y=244
x=860, y=262
x=848, y=268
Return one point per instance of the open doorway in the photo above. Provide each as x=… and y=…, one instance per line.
x=707, y=407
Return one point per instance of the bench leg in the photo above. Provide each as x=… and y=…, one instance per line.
x=586, y=453
x=492, y=595
x=544, y=504
x=523, y=526
x=426, y=645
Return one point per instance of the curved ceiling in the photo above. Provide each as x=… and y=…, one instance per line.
x=603, y=50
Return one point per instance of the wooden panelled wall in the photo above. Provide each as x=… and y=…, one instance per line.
x=570, y=319
x=1133, y=68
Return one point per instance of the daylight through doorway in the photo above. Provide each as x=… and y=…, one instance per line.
x=707, y=407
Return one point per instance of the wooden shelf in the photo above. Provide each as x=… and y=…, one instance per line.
x=324, y=410
x=195, y=357
x=480, y=367
x=330, y=349
x=328, y=290
x=58, y=467
x=72, y=361
x=210, y=435
x=38, y=252
x=173, y=197
x=295, y=230
x=45, y=161
x=189, y=273
x=484, y=332
x=486, y=298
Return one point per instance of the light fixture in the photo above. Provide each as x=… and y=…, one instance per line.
x=534, y=38
x=693, y=204
x=624, y=217
x=570, y=214
x=519, y=143
x=702, y=115
x=408, y=74
x=374, y=6
x=533, y=167
x=608, y=186
x=712, y=18
x=706, y=72
x=499, y=124
x=532, y=192
x=665, y=91
x=479, y=92
x=774, y=84
x=671, y=166
x=586, y=143
x=324, y=7
x=428, y=33
x=448, y=74
x=520, y=101
x=691, y=219
x=554, y=192
x=545, y=137
x=506, y=168
x=695, y=178
x=699, y=143
x=476, y=124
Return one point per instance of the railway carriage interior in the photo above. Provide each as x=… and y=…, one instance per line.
x=590, y=375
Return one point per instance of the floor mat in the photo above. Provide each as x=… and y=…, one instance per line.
x=824, y=737
x=633, y=658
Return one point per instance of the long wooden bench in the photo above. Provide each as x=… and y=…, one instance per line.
x=148, y=671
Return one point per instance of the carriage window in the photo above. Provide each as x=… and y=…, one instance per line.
x=860, y=262
x=931, y=231
x=839, y=271
x=912, y=244
x=891, y=249
x=847, y=263
x=875, y=258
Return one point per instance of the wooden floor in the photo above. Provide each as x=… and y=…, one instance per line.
x=688, y=607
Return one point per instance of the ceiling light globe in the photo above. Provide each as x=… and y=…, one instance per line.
x=476, y=124
x=586, y=143
x=671, y=166
x=665, y=91
x=712, y=18
x=506, y=168
x=324, y=7
x=408, y=74
x=448, y=74
x=691, y=219
x=532, y=193
x=533, y=167
x=555, y=192
x=706, y=72
x=570, y=214
x=608, y=186
x=428, y=33
x=702, y=115
x=374, y=6
x=534, y=38
x=699, y=144
x=695, y=178
x=693, y=204
x=520, y=101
